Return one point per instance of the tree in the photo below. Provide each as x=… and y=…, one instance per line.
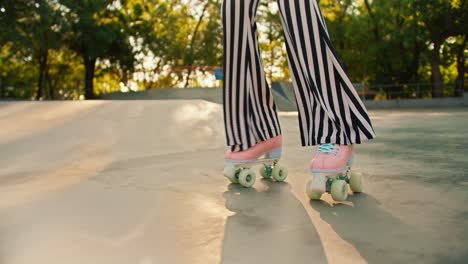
x=397, y=42
x=161, y=30
x=271, y=42
x=55, y=48
x=97, y=30
x=11, y=39
x=443, y=19
x=461, y=65
x=42, y=36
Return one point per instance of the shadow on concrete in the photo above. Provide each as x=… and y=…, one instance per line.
x=269, y=225
x=379, y=236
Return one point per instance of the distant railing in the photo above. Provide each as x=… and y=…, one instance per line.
x=404, y=91
x=389, y=91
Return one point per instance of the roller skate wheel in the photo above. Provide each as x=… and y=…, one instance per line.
x=339, y=190
x=231, y=173
x=247, y=178
x=312, y=192
x=265, y=171
x=355, y=181
x=279, y=173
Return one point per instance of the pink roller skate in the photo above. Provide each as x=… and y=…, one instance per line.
x=266, y=153
x=331, y=169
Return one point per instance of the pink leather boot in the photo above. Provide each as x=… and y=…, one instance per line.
x=331, y=172
x=266, y=153
x=270, y=148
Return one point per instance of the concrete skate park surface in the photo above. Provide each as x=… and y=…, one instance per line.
x=140, y=182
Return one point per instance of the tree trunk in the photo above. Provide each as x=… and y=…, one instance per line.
x=90, y=64
x=461, y=69
x=374, y=20
x=42, y=69
x=341, y=30
x=39, y=87
x=51, y=86
x=2, y=88
x=192, y=44
x=386, y=68
x=272, y=52
x=437, y=86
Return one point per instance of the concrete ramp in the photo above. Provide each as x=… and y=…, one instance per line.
x=118, y=182
x=283, y=94
x=285, y=98
x=209, y=94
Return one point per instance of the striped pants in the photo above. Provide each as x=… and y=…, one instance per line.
x=330, y=110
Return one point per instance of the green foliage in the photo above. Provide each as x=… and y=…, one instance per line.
x=271, y=42
x=67, y=49
x=97, y=29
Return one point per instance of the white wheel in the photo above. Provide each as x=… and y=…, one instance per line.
x=265, y=172
x=355, y=181
x=247, y=178
x=312, y=192
x=280, y=173
x=231, y=173
x=339, y=190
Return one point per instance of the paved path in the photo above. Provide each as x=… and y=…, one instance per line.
x=139, y=182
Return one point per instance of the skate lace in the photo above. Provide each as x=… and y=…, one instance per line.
x=328, y=148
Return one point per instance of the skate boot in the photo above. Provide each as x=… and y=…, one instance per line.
x=331, y=169
x=267, y=153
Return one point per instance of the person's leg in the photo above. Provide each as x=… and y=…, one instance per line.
x=249, y=110
x=330, y=110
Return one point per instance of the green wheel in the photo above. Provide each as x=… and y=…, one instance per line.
x=355, y=181
x=279, y=173
x=339, y=190
x=247, y=178
x=231, y=173
x=265, y=171
x=312, y=193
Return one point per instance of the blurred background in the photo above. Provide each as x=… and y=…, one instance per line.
x=70, y=49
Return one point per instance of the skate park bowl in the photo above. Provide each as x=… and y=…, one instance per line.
x=139, y=181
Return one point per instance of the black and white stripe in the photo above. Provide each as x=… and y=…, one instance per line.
x=330, y=110
x=249, y=110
